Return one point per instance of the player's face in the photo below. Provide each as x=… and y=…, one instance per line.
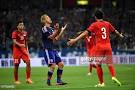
x=20, y=26
x=48, y=19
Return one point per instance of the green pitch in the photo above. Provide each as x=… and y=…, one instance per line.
x=76, y=77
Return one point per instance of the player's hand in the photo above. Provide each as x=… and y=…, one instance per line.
x=71, y=42
x=121, y=35
x=63, y=28
x=22, y=45
x=56, y=26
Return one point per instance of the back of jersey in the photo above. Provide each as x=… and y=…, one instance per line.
x=102, y=31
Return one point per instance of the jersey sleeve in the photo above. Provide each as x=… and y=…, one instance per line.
x=26, y=35
x=112, y=29
x=14, y=36
x=91, y=28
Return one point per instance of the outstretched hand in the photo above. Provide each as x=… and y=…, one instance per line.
x=71, y=42
x=63, y=28
x=121, y=35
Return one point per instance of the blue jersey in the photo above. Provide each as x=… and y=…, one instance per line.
x=50, y=52
x=47, y=42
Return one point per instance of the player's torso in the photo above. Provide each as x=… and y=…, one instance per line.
x=102, y=35
x=48, y=43
x=21, y=36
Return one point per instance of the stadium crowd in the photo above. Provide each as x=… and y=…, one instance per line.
x=77, y=19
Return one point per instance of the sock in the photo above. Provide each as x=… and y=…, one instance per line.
x=16, y=76
x=50, y=73
x=59, y=74
x=112, y=71
x=93, y=65
x=28, y=73
x=100, y=74
x=90, y=67
x=16, y=72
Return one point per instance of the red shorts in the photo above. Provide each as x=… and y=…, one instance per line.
x=104, y=55
x=20, y=53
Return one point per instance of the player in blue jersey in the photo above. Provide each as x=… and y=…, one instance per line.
x=49, y=38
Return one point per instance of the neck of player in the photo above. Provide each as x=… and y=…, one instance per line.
x=20, y=30
x=47, y=24
x=100, y=20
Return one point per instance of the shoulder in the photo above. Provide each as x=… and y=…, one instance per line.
x=25, y=33
x=94, y=23
x=44, y=29
x=107, y=22
x=14, y=32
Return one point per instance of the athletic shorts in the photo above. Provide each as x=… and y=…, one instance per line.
x=104, y=56
x=19, y=54
x=51, y=57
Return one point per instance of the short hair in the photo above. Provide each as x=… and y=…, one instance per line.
x=19, y=21
x=43, y=17
x=99, y=14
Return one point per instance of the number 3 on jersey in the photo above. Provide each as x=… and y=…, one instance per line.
x=103, y=29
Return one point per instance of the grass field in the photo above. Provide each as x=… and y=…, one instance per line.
x=76, y=77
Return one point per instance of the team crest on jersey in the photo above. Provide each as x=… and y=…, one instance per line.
x=24, y=35
x=21, y=36
x=88, y=38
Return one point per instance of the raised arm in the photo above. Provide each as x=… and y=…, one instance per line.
x=61, y=32
x=56, y=32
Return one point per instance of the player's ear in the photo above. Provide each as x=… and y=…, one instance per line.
x=17, y=26
x=69, y=39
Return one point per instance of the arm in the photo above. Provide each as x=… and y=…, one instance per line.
x=56, y=32
x=117, y=33
x=26, y=44
x=61, y=32
x=72, y=41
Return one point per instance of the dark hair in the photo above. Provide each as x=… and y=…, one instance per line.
x=20, y=20
x=99, y=14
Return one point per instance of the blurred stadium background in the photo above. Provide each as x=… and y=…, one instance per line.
x=78, y=14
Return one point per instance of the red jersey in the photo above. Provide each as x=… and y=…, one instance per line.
x=20, y=37
x=90, y=44
x=102, y=31
x=20, y=52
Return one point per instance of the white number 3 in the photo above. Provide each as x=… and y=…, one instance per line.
x=103, y=29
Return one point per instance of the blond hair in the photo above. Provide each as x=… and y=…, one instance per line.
x=43, y=17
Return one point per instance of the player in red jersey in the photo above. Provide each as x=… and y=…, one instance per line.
x=102, y=30
x=20, y=51
x=90, y=47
